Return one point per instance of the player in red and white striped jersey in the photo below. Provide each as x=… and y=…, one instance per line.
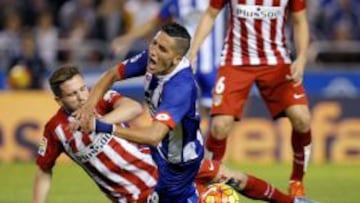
x=124, y=171
x=255, y=52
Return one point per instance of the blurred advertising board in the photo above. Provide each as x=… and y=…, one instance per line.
x=23, y=115
x=335, y=133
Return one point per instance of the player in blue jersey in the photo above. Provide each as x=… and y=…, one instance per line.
x=188, y=13
x=170, y=91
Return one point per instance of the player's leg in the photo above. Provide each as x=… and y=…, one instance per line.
x=299, y=116
x=229, y=95
x=212, y=171
x=284, y=99
x=253, y=187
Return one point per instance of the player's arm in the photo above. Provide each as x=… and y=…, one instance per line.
x=124, y=110
x=151, y=135
x=203, y=29
x=49, y=150
x=144, y=29
x=301, y=40
x=132, y=67
x=137, y=32
x=301, y=33
x=42, y=185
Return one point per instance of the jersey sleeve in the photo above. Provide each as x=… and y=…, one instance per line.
x=173, y=105
x=49, y=150
x=165, y=10
x=133, y=67
x=106, y=104
x=218, y=4
x=297, y=5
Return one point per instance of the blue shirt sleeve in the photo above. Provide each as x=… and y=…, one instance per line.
x=136, y=66
x=166, y=9
x=176, y=101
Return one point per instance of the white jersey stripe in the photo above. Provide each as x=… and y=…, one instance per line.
x=237, y=59
x=131, y=188
x=135, y=152
x=251, y=39
x=118, y=160
x=279, y=34
x=61, y=135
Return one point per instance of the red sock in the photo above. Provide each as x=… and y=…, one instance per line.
x=258, y=189
x=217, y=147
x=301, y=148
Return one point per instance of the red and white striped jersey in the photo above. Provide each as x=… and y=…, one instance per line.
x=123, y=170
x=256, y=32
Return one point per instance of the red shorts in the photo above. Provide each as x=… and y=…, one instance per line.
x=209, y=169
x=233, y=85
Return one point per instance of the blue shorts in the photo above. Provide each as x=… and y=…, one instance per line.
x=154, y=198
x=176, y=181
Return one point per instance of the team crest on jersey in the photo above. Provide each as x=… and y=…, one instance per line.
x=162, y=117
x=217, y=99
x=42, y=146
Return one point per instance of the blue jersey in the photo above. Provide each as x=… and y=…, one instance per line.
x=188, y=13
x=172, y=100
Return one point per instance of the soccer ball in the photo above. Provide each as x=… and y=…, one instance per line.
x=220, y=193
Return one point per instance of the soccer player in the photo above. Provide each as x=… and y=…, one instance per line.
x=187, y=13
x=124, y=171
x=171, y=94
x=255, y=51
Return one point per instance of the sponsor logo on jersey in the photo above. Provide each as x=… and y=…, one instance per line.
x=93, y=149
x=42, y=146
x=258, y=12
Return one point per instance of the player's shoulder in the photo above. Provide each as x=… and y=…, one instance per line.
x=140, y=57
x=183, y=81
x=56, y=119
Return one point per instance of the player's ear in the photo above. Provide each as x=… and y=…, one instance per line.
x=58, y=100
x=177, y=59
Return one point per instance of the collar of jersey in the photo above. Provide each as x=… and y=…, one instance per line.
x=184, y=63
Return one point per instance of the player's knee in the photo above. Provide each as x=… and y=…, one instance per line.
x=301, y=123
x=221, y=127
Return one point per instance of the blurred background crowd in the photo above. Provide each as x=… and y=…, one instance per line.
x=41, y=34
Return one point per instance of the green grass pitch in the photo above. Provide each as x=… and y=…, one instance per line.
x=325, y=183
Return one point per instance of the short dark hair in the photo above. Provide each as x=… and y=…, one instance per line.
x=60, y=75
x=182, y=36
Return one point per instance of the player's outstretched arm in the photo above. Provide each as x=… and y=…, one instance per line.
x=125, y=109
x=42, y=186
x=151, y=135
x=202, y=31
x=123, y=42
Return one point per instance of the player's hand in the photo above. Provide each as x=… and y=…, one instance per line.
x=193, y=59
x=121, y=45
x=297, y=71
x=88, y=126
x=83, y=116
